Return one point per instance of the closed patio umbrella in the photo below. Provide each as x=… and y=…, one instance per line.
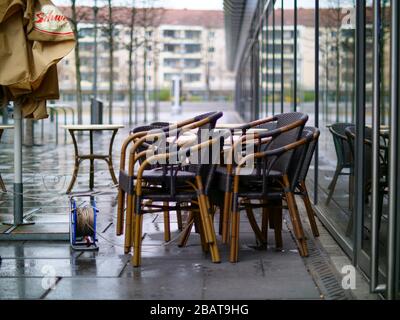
x=34, y=37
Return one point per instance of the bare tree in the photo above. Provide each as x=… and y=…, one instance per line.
x=110, y=35
x=78, y=78
x=149, y=18
x=146, y=34
x=155, y=77
x=130, y=55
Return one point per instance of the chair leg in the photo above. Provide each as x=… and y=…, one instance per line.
x=235, y=228
x=200, y=230
x=136, y=259
x=309, y=209
x=2, y=185
x=295, y=217
x=351, y=191
x=264, y=222
x=226, y=216
x=221, y=221
x=332, y=185
x=208, y=226
x=129, y=227
x=186, y=233
x=120, y=212
x=275, y=221
x=179, y=218
x=253, y=223
x=167, y=229
x=277, y=218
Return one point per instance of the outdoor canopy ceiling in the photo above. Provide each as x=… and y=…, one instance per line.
x=238, y=17
x=233, y=12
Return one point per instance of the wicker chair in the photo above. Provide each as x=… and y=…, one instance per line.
x=286, y=128
x=178, y=186
x=301, y=188
x=344, y=159
x=123, y=199
x=383, y=168
x=272, y=178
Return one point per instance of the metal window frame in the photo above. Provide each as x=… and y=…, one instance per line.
x=295, y=58
x=394, y=191
x=282, y=56
x=273, y=59
x=360, y=65
x=316, y=102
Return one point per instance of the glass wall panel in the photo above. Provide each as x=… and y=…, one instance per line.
x=337, y=80
x=288, y=54
x=270, y=62
x=306, y=59
x=278, y=107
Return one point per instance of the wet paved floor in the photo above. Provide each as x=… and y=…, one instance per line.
x=51, y=270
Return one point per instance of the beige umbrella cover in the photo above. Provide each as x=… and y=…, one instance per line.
x=34, y=36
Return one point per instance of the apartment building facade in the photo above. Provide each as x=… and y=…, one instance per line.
x=180, y=44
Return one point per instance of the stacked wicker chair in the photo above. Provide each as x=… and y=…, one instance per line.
x=159, y=180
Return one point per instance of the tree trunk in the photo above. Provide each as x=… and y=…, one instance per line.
x=155, y=83
x=130, y=71
x=110, y=61
x=78, y=76
x=135, y=90
x=145, y=79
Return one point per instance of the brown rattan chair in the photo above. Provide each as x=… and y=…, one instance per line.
x=301, y=188
x=124, y=196
x=178, y=186
x=282, y=129
x=271, y=178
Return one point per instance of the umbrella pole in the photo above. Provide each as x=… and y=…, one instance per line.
x=18, y=185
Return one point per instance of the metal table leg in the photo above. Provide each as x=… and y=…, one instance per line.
x=91, y=173
x=77, y=162
x=110, y=163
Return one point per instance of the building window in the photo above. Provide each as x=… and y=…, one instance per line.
x=170, y=33
x=86, y=76
x=169, y=76
x=192, y=77
x=211, y=49
x=287, y=35
x=192, y=34
x=86, y=32
x=171, y=62
x=192, y=48
x=170, y=47
x=192, y=63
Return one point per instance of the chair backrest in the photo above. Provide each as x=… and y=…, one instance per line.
x=350, y=132
x=342, y=148
x=299, y=148
x=208, y=122
x=205, y=167
x=288, y=137
x=310, y=152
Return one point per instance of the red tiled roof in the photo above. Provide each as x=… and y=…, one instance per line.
x=122, y=15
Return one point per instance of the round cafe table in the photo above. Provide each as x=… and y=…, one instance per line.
x=92, y=156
